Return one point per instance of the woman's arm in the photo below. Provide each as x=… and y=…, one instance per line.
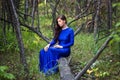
x=52, y=42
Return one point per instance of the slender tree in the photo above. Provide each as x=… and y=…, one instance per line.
x=109, y=16
x=19, y=37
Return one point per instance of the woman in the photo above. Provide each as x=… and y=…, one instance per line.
x=57, y=48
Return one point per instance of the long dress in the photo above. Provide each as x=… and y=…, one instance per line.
x=48, y=60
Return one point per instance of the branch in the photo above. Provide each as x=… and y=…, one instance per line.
x=30, y=28
x=81, y=14
x=36, y=31
x=78, y=29
x=94, y=58
x=79, y=18
x=23, y=13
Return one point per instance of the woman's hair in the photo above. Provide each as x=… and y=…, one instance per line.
x=57, y=27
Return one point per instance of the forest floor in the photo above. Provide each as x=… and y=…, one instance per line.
x=107, y=67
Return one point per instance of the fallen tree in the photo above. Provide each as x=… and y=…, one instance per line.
x=65, y=72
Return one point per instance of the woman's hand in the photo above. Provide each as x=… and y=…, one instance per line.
x=58, y=46
x=46, y=47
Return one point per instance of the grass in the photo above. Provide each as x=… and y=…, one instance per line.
x=83, y=50
x=83, y=47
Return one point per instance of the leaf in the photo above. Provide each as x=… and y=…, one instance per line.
x=117, y=24
x=116, y=4
x=9, y=76
x=4, y=74
x=3, y=68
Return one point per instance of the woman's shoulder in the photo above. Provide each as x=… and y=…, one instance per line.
x=70, y=29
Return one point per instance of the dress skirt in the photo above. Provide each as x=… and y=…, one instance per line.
x=48, y=61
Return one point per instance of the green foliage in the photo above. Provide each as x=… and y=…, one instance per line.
x=116, y=4
x=31, y=41
x=82, y=52
x=84, y=45
x=115, y=43
x=8, y=43
x=4, y=75
x=107, y=66
x=118, y=24
x=100, y=70
x=45, y=21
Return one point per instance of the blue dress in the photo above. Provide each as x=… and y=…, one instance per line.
x=48, y=61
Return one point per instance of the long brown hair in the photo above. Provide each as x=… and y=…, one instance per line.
x=57, y=27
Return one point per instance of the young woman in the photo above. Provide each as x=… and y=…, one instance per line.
x=57, y=48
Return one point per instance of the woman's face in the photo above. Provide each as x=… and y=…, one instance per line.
x=61, y=22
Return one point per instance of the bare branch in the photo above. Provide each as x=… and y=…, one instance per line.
x=36, y=31
x=30, y=28
x=78, y=29
x=81, y=14
x=79, y=18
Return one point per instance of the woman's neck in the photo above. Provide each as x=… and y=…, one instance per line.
x=64, y=27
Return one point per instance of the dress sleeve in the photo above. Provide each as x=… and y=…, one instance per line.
x=71, y=42
x=52, y=42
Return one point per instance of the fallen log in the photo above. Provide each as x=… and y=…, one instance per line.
x=65, y=72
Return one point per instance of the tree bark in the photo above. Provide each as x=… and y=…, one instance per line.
x=77, y=7
x=65, y=72
x=33, y=12
x=3, y=24
x=96, y=23
x=26, y=9
x=38, y=18
x=109, y=16
x=79, y=29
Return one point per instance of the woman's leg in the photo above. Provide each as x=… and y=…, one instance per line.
x=48, y=60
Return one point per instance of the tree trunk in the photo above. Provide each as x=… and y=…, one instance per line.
x=3, y=24
x=19, y=38
x=33, y=12
x=109, y=16
x=65, y=72
x=54, y=9
x=119, y=48
x=26, y=9
x=38, y=18
x=97, y=8
x=77, y=7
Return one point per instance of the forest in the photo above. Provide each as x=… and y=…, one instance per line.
x=27, y=26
